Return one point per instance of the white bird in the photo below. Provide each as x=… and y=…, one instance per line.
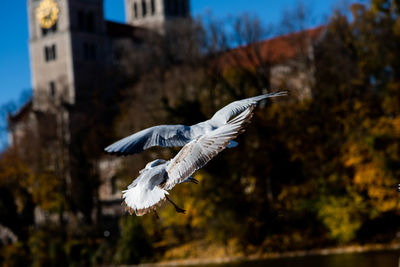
x=180, y=135
x=151, y=187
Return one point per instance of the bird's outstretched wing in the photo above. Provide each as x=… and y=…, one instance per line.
x=197, y=153
x=224, y=114
x=162, y=135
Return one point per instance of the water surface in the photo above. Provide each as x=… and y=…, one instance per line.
x=388, y=258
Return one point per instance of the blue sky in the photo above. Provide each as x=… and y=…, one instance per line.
x=14, y=53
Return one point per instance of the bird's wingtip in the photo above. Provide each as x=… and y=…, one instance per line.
x=279, y=93
x=108, y=149
x=115, y=152
x=282, y=93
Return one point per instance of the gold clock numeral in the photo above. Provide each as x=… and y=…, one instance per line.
x=47, y=13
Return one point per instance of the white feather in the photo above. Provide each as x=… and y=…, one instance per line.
x=142, y=198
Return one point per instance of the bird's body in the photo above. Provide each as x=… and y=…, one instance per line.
x=145, y=191
x=180, y=135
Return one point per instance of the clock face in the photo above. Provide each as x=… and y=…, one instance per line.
x=47, y=13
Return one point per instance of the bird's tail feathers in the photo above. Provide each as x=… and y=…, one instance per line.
x=141, y=201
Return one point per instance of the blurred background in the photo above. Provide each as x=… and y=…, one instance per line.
x=316, y=172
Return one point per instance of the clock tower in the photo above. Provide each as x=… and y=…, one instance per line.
x=68, y=46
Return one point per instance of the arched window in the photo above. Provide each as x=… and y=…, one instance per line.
x=135, y=11
x=153, y=7
x=144, y=8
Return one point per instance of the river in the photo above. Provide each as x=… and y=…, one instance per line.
x=389, y=258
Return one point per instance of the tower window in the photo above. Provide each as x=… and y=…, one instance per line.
x=81, y=20
x=86, y=21
x=135, y=10
x=52, y=86
x=53, y=50
x=144, y=8
x=153, y=7
x=50, y=53
x=90, y=22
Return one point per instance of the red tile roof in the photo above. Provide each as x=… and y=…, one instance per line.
x=272, y=51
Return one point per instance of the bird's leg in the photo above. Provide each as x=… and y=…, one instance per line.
x=179, y=210
x=191, y=179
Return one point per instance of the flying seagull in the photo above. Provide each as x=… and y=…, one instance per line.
x=180, y=135
x=151, y=187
